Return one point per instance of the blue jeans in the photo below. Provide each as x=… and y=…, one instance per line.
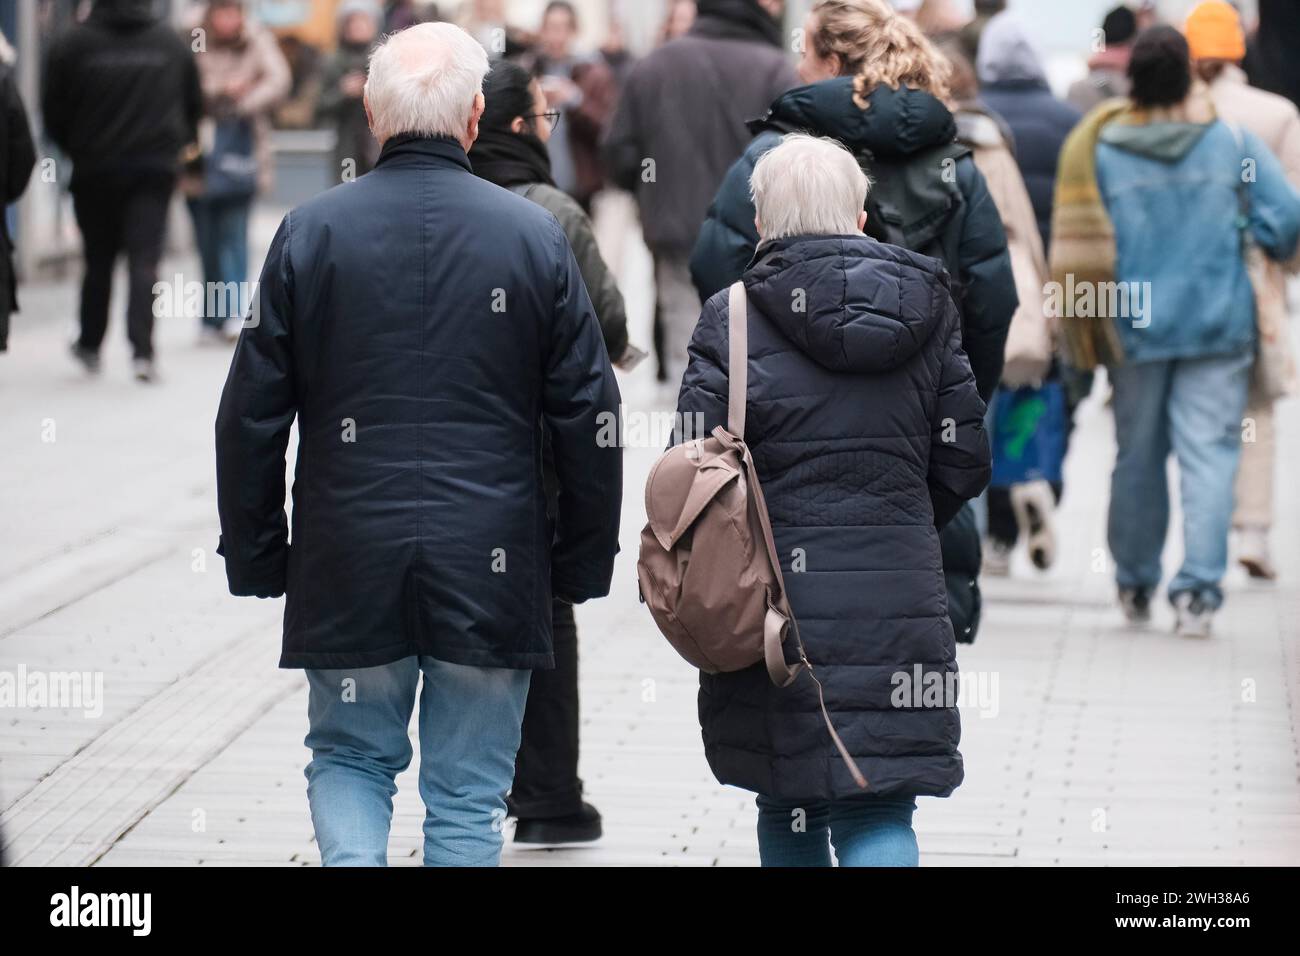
x=865, y=831
x=1194, y=408
x=469, y=733
x=221, y=233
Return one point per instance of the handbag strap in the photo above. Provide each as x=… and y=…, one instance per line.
x=778, y=618
x=738, y=360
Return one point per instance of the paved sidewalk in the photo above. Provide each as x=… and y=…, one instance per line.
x=1100, y=746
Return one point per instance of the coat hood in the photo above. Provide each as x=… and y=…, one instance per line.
x=895, y=123
x=1168, y=142
x=866, y=306
x=1007, y=56
x=125, y=14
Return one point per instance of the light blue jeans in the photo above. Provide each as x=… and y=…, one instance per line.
x=469, y=733
x=1194, y=408
x=865, y=831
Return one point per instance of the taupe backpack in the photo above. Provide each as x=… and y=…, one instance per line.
x=708, y=569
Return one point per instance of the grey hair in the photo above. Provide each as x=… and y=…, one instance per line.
x=423, y=81
x=808, y=186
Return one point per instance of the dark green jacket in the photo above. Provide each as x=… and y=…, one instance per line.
x=601, y=284
x=897, y=124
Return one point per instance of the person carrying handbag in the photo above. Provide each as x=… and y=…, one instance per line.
x=1218, y=45
x=867, y=433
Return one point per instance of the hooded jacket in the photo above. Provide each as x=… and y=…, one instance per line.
x=896, y=124
x=685, y=107
x=1014, y=85
x=121, y=94
x=867, y=431
x=1172, y=191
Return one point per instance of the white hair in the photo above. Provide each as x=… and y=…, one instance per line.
x=808, y=186
x=423, y=81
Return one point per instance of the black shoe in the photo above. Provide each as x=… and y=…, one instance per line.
x=89, y=360
x=581, y=827
x=1136, y=604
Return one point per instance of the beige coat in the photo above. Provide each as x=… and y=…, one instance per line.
x=1272, y=118
x=255, y=64
x=1030, y=339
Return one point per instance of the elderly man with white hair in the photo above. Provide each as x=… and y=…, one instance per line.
x=431, y=334
x=868, y=434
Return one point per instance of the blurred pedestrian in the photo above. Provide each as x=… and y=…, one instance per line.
x=121, y=99
x=1013, y=83
x=511, y=151
x=1271, y=61
x=17, y=159
x=673, y=137
x=1217, y=44
x=1168, y=176
x=554, y=60
x=678, y=20
x=878, y=86
x=244, y=76
x=867, y=432
x=340, y=105
x=1026, y=483
x=1108, y=64
x=424, y=327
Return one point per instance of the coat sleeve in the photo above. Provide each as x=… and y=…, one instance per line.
x=20, y=155
x=988, y=288
x=191, y=97
x=274, y=81
x=622, y=150
x=960, y=461
x=611, y=312
x=702, y=402
x=258, y=405
x=728, y=236
x=1274, y=204
x=56, y=94
x=580, y=405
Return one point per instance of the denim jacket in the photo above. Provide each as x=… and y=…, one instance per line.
x=1172, y=191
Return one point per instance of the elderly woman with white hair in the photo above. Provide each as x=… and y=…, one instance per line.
x=867, y=432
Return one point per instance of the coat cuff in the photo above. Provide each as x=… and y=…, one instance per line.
x=263, y=579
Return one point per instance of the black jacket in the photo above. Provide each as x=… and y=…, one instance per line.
x=17, y=157
x=121, y=93
x=867, y=431
x=421, y=324
x=681, y=117
x=898, y=123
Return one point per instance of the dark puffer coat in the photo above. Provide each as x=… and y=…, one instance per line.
x=423, y=325
x=897, y=124
x=867, y=432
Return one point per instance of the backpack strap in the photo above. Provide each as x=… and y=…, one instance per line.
x=779, y=616
x=738, y=359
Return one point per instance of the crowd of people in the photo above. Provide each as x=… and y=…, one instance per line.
x=937, y=253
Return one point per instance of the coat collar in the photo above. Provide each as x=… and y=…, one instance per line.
x=413, y=150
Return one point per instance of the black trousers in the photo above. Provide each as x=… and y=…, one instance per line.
x=123, y=214
x=546, y=769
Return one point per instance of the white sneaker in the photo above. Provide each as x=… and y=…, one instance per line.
x=997, y=558
x=1253, y=553
x=1034, y=505
x=1195, y=617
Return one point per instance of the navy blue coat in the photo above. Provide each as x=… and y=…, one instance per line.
x=421, y=324
x=867, y=432
x=1039, y=123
